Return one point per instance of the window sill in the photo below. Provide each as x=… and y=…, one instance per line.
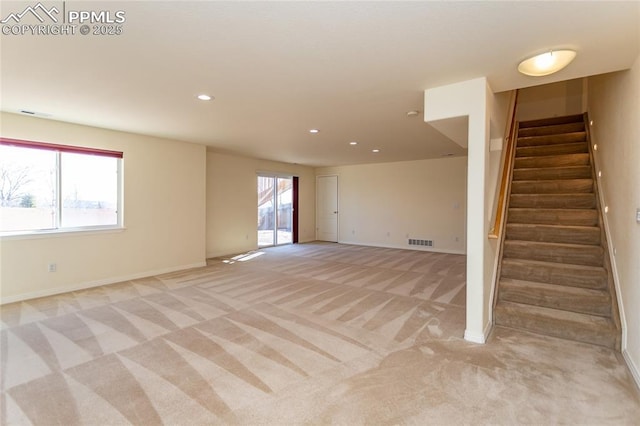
x=55, y=233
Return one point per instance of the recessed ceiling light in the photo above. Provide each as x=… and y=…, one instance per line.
x=413, y=113
x=546, y=63
x=204, y=97
x=314, y=131
x=353, y=143
x=375, y=150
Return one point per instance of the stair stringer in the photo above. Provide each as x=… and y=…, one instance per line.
x=605, y=242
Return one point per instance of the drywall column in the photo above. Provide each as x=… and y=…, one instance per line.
x=448, y=109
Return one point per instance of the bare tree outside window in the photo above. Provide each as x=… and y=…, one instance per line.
x=13, y=180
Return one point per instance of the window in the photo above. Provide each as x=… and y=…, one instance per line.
x=46, y=187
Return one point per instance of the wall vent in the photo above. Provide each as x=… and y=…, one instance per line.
x=423, y=243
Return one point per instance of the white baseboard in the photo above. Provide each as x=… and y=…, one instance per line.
x=635, y=371
x=96, y=283
x=474, y=337
x=353, y=243
x=392, y=246
x=213, y=254
x=478, y=338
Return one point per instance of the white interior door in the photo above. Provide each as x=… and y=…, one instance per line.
x=327, y=208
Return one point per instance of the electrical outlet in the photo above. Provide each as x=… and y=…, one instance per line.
x=52, y=267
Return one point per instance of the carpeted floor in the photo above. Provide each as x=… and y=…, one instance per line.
x=304, y=334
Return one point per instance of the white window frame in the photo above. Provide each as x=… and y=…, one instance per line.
x=59, y=150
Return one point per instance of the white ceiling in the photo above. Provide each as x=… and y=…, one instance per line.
x=351, y=69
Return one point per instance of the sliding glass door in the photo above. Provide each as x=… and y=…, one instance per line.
x=275, y=210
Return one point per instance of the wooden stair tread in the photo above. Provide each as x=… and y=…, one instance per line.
x=555, y=186
x=561, y=160
x=550, y=246
x=581, y=180
x=575, y=291
x=574, y=299
x=554, y=149
x=577, y=254
x=550, y=216
x=545, y=173
x=554, y=227
x=552, y=120
x=588, y=235
x=558, y=323
x=551, y=129
x=584, y=200
x=541, y=264
x=551, y=139
x=553, y=210
x=584, y=276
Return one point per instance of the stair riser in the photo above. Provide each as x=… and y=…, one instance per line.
x=533, y=151
x=553, y=217
x=552, y=121
x=584, y=255
x=563, y=330
x=552, y=139
x=554, y=235
x=552, y=161
x=550, y=173
x=552, y=201
x=552, y=186
x=555, y=274
x=592, y=305
x=551, y=129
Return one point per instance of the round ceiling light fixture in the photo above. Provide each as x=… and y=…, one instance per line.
x=546, y=63
x=314, y=131
x=204, y=97
x=375, y=151
x=353, y=143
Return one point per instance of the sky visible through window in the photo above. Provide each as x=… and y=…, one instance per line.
x=29, y=189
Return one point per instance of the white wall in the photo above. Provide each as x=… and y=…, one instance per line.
x=614, y=107
x=550, y=100
x=472, y=99
x=164, y=215
x=385, y=204
x=232, y=202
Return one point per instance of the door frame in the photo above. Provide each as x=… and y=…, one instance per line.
x=295, y=197
x=294, y=203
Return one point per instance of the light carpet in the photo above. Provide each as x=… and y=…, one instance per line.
x=300, y=334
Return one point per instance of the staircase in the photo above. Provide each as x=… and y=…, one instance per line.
x=554, y=277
